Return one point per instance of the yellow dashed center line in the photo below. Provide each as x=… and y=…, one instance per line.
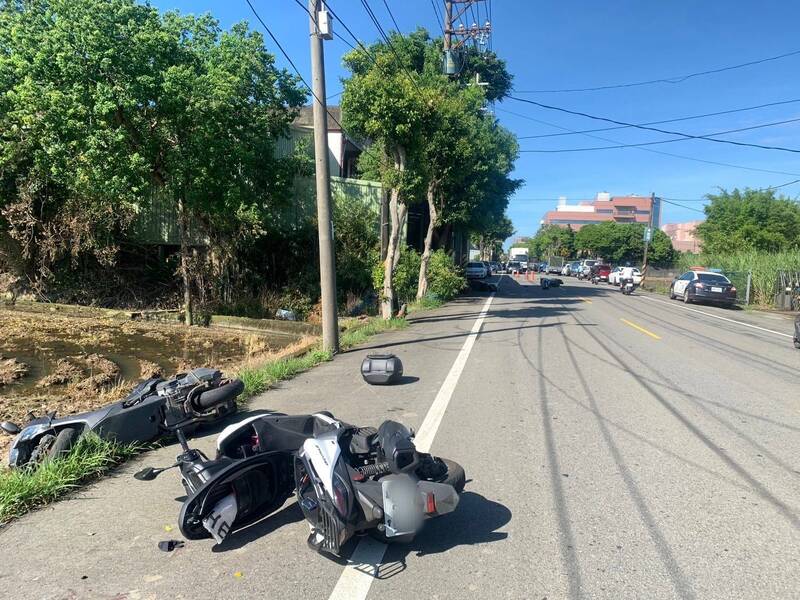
x=642, y=329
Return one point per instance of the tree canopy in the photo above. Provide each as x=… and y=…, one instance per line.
x=108, y=102
x=552, y=240
x=750, y=220
x=431, y=139
x=623, y=242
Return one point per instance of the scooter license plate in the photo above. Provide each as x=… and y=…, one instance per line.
x=220, y=520
x=402, y=505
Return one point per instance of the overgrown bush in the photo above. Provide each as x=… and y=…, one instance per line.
x=764, y=266
x=357, y=245
x=445, y=280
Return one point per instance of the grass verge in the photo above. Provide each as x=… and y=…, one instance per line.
x=425, y=303
x=24, y=489
x=259, y=378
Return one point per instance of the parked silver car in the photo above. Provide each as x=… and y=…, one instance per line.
x=476, y=270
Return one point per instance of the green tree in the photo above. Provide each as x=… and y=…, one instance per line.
x=488, y=67
x=432, y=141
x=467, y=159
x=552, y=240
x=623, y=242
x=110, y=103
x=750, y=220
x=356, y=244
x=384, y=104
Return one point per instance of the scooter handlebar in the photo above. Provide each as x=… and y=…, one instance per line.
x=218, y=395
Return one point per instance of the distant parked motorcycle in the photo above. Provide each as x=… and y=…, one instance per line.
x=347, y=479
x=154, y=409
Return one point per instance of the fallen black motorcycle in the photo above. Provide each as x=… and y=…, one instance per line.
x=347, y=479
x=155, y=408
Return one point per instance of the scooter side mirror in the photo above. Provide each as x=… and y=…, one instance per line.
x=10, y=428
x=147, y=474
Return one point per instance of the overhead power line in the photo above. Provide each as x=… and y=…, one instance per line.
x=656, y=129
x=352, y=35
x=389, y=10
x=672, y=80
x=438, y=15
x=764, y=189
x=675, y=120
x=698, y=210
x=651, y=150
x=559, y=150
x=294, y=66
x=772, y=187
x=386, y=39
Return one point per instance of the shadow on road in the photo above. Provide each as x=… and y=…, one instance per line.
x=290, y=513
x=475, y=521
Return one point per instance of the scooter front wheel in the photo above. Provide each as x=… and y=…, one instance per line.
x=55, y=446
x=64, y=442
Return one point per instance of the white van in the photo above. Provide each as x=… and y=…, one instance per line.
x=586, y=265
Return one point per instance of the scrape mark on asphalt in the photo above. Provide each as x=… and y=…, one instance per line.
x=679, y=581
x=569, y=556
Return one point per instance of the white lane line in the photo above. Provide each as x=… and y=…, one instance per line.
x=708, y=314
x=362, y=568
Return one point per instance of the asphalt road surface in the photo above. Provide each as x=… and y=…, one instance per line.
x=615, y=447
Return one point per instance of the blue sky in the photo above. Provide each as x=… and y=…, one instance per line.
x=585, y=43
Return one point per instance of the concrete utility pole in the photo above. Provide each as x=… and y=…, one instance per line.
x=327, y=258
x=448, y=25
x=648, y=235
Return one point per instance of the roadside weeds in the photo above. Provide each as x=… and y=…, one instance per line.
x=258, y=379
x=25, y=489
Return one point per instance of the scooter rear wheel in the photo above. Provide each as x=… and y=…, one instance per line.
x=455, y=475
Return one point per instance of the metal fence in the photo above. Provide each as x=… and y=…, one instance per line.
x=156, y=221
x=660, y=279
x=787, y=290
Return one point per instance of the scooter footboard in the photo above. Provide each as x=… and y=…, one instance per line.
x=260, y=484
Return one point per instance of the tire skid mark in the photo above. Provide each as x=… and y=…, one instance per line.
x=569, y=555
x=754, y=483
x=683, y=588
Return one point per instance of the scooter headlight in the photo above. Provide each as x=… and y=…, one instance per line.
x=31, y=432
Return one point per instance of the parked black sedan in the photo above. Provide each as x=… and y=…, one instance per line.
x=694, y=286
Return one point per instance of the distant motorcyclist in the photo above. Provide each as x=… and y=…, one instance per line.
x=594, y=273
x=626, y=275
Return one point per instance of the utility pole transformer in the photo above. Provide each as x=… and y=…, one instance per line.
x=319, y=23
x=476, y=32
